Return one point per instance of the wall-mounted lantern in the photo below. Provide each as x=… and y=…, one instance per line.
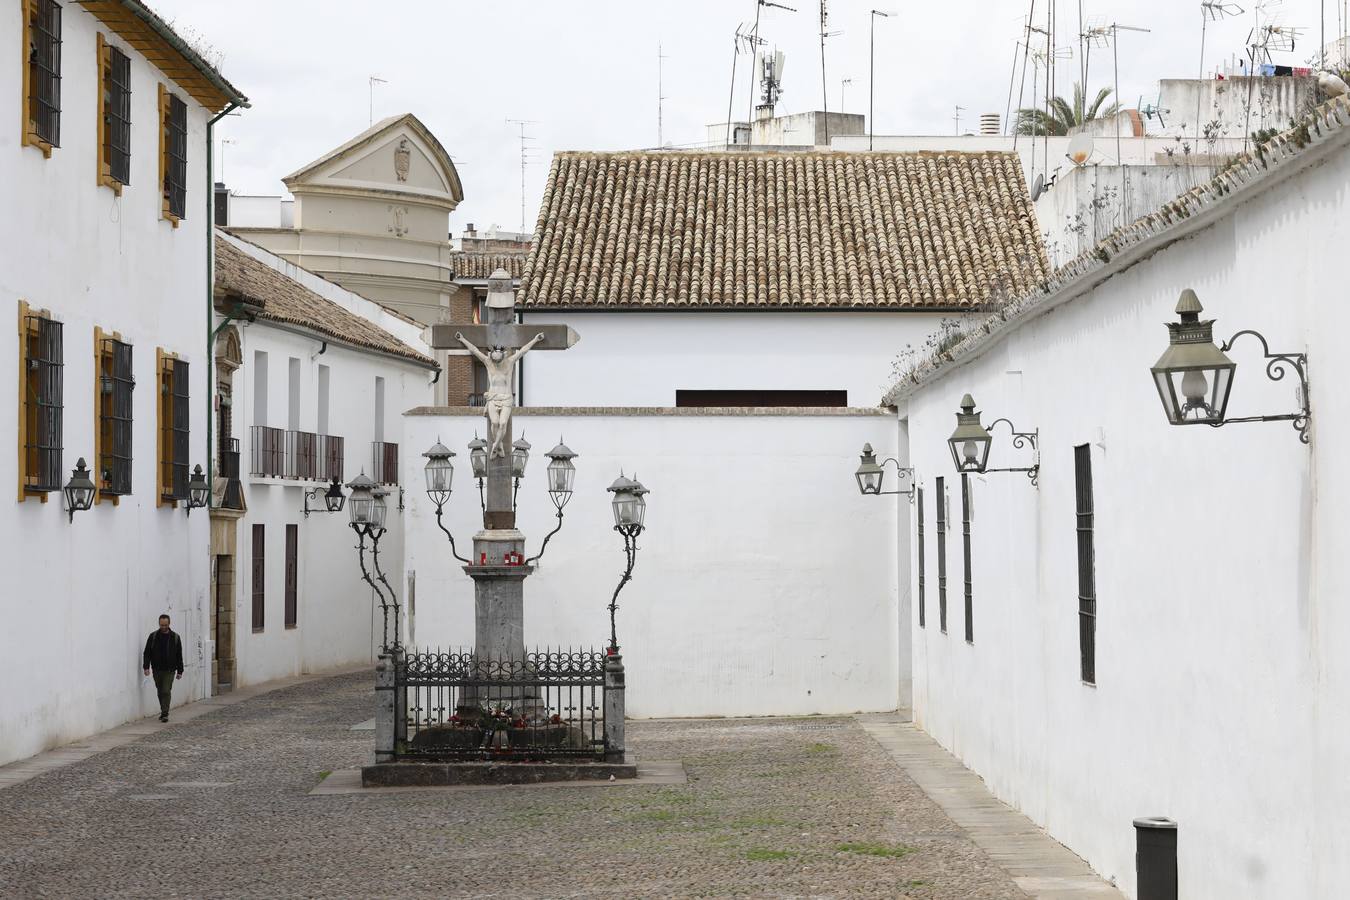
x=970, y=443
x=1194, y=376
x=79, y=490
x=333, y=498
x=871, y=475
x=199, y=492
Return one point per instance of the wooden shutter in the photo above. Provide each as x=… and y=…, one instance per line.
x=942, y=553
x=292, y=574
x=1087, y=563
x=43, y=403
x=965, y=541
x=919, y=500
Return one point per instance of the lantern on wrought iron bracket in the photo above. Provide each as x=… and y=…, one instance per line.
x=970, y=443
x=871, y=475
x=1194, y=377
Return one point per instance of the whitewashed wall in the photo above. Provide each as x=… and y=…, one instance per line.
x=766, y=585
x=80, y=599
x=1221, y=571
x=643, y=358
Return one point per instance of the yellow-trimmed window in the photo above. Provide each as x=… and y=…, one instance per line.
x=174, y=413
x=114, y=119
x=42, y=74
x=112, y=428
x=40, y=402
x=172, y=155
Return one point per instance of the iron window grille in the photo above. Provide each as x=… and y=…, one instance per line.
x=43, y=392
x=174, y=438
x=385, y=463
x=965, y=541
x=1087, y=576
x=942, y=552
x=258, y=562
x=175, y=158
x=302, y=455
x=919, y=494
x=268, y=451
x=44, y=71
x=331, y=448
x=117, y=115
x=115, y=414
x=292, y=575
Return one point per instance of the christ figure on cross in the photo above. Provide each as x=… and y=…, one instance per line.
x=499, y=397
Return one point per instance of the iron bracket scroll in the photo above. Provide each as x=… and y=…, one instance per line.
x=900, y=472
x=1020, y=441
x=544, y=545
x=630, y=535
x=441, y=525
x=1277, y=366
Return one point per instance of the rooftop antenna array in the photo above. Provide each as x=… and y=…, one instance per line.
x=754, y=48
x=1268, y=33
x=525, y=160
x=843, y=86
x=824, y=92
x=745, y=34
x=660, y=96
x=1110, y=35
x=957, y=118
x=1210, y=11
x=374, y=80
x=772, y=83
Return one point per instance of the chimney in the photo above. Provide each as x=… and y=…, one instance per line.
x=990, y=123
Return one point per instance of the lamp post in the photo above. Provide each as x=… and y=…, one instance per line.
x=561, y=473
x=440, y=472
x=79, y=490
x=366, y=512
x=333, y=498
x=630, y=511
x=970, y=443
x=872, y=70
x=1194, y=377
x=872, y=475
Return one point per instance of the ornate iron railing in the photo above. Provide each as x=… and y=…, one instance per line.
x=457, y=705
x=384, y=469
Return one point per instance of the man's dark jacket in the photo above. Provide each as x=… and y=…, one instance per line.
x=164, y=652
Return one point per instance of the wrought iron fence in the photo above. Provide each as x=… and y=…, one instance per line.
x=549, y=705
x=299, y=455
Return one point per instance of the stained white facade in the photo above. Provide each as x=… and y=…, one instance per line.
x=82, y=596
x=765, y=584
x=1220, y=571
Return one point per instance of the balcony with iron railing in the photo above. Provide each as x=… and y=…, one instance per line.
x=295, y=455
x=229, y=470
x=385, y=462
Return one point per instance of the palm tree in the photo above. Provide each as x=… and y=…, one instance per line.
x=1062, y=116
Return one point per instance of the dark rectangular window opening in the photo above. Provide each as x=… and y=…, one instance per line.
x=942, y=552
x=117, y=116
x=44, y=72
x=965, y=540
x=919, y=493
x=259, y=576
x=1087, y=564
x=761, y=398
x=292, y=574
x=174, y=439
x=175, y=162
x=114, y=421
x=43, y=391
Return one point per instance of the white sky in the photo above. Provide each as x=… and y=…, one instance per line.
x=586, y=71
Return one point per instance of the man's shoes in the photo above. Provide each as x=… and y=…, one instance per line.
x=164, y=717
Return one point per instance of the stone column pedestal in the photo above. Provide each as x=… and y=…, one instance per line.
x=386, y=712
x=614, y=709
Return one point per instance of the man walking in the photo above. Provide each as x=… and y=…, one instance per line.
x=164, y=655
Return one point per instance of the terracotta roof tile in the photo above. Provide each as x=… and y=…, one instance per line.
x=479, y=264
x=766, y=230
x=282, y=299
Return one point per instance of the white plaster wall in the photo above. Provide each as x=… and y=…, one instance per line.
x=80, y=598
x=1220, y=568
x=643, y=358
x=765, y=584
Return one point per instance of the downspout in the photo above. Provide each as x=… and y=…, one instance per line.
x=210, y=299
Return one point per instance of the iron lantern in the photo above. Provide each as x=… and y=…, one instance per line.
x=970, y=441
x=440, y=472
x=561, y=473
x=520, y=455
x=869, y=474
x=333, y=498
x=379, y=508
x=79, y=490
x=478, y=457
x=1193, y=376
x=630, y=508
x=361, y=503
x=198, y=490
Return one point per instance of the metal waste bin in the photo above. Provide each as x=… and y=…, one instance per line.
x=1155, y=858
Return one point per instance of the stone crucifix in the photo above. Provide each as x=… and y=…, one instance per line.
x=500, y=396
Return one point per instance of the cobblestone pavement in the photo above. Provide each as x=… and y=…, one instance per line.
x=220, y=807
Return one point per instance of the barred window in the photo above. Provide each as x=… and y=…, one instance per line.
x=259, y=577
x=173, y=155
x=1087, y=575
x=174, y=416
x=292, y=575
x=919, y=492
x=114, y=127
x=42, y=75
x=942, y=552
x=965, y=540
x=41, y=384
x=115, y=384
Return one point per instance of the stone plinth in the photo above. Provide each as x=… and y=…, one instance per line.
x=418, y=774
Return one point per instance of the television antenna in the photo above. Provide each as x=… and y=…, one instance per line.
x=957, y=118
x=1210, y=11
x=824, y=92
x=660, y=95
x=525, y=160
x=843, y=85
x=745, y=34
x=755, y=45
x=772, y=82
x=374, y=80
x=1110, y=35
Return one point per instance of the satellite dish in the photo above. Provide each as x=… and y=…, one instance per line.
x=1080, y=148
x=1037, y=188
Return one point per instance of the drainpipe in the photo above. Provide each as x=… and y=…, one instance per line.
x=210, y=298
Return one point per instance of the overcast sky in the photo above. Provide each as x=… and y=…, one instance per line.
x=585, y=71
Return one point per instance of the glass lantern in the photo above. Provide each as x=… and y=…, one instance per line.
x=869, y=474
x=1193, y=376
x=520, y=455
x=379, y=508
x=970, y=441
x=630, y=507
x=198, y=490
x=478, y=456
x=361, y=503
x=334, y=498
x=440, y=472
x=561, y=473
x=79, y=490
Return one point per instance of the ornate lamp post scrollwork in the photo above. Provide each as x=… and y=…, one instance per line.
x=1194, y=377
x=366, y=510
x=970, y=443
x=630, y=511
x=871, y=475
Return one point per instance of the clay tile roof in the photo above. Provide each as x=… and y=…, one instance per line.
x=775, y=230
x=480, y=264
x=273, y=296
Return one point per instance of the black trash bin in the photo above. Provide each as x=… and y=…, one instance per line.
x=1155, y=858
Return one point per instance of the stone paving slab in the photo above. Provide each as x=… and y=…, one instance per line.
x=1037, y=863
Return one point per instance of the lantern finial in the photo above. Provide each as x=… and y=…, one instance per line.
x=1189, y=306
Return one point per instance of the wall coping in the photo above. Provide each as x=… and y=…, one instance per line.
x=654, y=411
